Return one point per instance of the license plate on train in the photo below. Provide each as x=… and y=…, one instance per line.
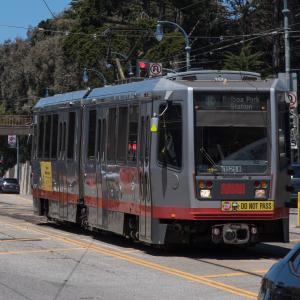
x=247, y=205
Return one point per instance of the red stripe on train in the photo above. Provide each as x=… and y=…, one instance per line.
x=158, y=212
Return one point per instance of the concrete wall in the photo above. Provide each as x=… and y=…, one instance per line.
x=25, y=173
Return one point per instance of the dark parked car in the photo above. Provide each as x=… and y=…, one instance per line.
x=9, y=185
x=295, y=181
x=282, y=282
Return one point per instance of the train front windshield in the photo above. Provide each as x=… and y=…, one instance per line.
x=231, y=133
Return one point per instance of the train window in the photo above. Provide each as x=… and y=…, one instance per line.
x=111, y=141
x=92, y=134
x=54, y=136
x=71, y=134
x=132, y=133
x=142, y=140
x=34, y=142
x=60, y=137
x=122, y=133
x=99, y=134
x=170, y=136
x=47, y=139
x=41, y=137
x=147, y=150
x=103, y=144
x=64, y=137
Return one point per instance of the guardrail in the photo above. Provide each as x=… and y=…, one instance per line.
x=15, y=120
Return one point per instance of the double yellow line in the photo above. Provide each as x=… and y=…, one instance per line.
x=147, y=264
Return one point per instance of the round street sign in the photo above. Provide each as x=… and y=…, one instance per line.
x=293, y=99
x=11, y=140
x=155, y=69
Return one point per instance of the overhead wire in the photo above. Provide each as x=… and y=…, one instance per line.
x=49, y=9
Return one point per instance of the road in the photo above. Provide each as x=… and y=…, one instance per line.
x=41, y=260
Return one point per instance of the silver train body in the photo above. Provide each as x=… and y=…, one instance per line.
x=171, y=160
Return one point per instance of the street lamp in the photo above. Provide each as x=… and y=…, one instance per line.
x=85, y=76
x=159, y=35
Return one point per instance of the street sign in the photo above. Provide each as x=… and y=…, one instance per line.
x=12, y=140
x=155, y=69
x=293, y=99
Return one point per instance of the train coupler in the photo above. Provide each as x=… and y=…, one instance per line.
x=234, y=233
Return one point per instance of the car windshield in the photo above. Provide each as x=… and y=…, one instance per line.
x=11, y=180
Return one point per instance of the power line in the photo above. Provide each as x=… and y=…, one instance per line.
x=51, y=12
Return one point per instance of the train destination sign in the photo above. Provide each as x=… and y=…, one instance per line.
x=231, y=101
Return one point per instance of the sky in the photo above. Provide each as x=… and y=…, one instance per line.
x=25, y=13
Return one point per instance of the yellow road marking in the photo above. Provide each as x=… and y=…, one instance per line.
x=40, y=250
x=131, y=251
x=145, y=263
x=35, y=239
x=233, y=274
x=151, y=265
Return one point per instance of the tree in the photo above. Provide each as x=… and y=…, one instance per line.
x=246, y=60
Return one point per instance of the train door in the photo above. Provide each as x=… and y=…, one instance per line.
x=62, y=166
x=100, y=160
x=144, y=173
x=90, y=186
x=110, y=183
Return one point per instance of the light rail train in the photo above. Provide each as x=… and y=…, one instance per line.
x=187, y=158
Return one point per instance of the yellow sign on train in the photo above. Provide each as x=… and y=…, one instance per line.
x=46, y=174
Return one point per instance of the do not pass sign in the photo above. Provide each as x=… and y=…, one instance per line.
x=155, y=69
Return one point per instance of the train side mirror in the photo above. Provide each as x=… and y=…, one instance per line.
x=154, y=123
x=155, y=117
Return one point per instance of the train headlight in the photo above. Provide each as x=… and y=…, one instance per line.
x=205, y=193
x=260, y=194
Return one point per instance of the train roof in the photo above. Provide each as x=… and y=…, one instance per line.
x=234, y=85
x=160, y=84
x=140, y=87
x=214, y=75
x=61, y=99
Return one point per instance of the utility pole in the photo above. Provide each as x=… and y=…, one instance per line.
x=276, y=9
x=287, y=49
x=293, y=111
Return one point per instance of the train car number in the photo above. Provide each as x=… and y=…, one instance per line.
x=247, y=206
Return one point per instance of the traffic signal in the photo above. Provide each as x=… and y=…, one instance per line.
x=142, y=68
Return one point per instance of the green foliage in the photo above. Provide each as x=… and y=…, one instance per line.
x=246, y=60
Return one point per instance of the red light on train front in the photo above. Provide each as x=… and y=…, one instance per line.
x=209, y=184
x=256, y=184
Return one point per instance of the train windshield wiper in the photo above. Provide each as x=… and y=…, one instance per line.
x=208, y=157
